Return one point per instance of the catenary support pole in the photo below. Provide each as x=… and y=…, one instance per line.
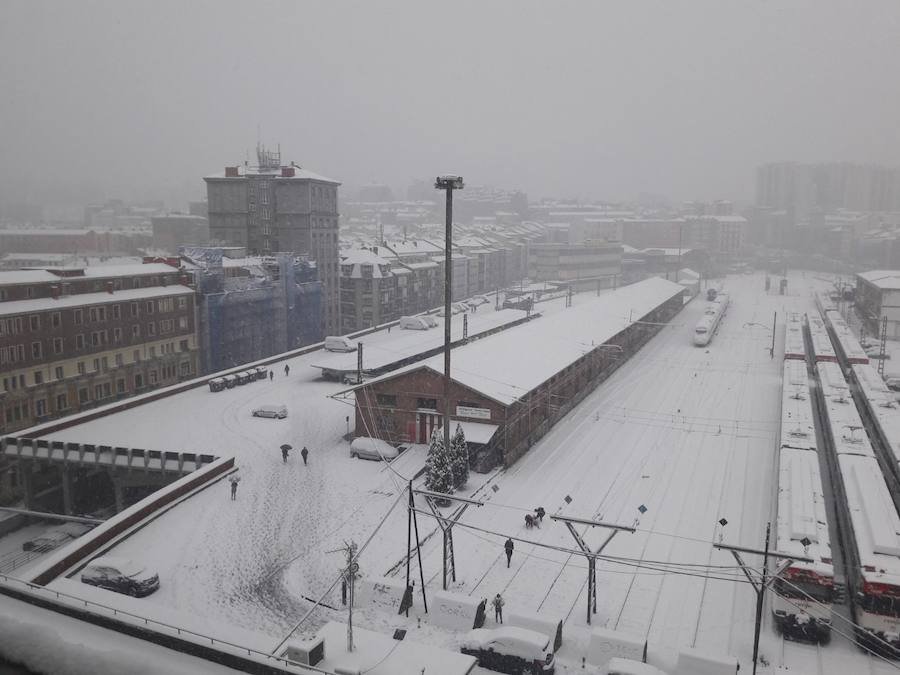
x=409, y=516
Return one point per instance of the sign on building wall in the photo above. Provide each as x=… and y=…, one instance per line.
x=477, y=413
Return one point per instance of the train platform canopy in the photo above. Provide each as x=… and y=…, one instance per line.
x=886, y=280
x=506, y=366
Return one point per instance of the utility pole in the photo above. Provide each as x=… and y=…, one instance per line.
x=413, y=523
x=465, y=326
x=772, y=349
x=591, y=554
x=883, y=346
x=359, y=362
x=761, y=585
x=448, y=184
x=446, y=524
x=349, y=574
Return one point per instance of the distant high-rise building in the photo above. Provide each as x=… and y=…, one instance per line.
x=269, y=208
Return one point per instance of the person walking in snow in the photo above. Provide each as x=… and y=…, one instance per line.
x=271, y=375
x=509, y=549
x=284, y=453
x=287, y=369
x=304, y=453
x=234, y=480
x=540, y=513
x=498, y=603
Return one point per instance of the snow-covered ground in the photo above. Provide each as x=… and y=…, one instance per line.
x=687, y=432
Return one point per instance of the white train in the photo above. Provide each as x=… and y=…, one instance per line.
x=849, y=351
x=870, y=523
x=709, y=322
x=802, y=522
x=794, y=342
x=822, y=348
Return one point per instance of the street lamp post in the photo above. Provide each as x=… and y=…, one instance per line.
x=448, y=184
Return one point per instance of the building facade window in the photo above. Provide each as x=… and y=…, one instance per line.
x=36, y=350
x=78, y=316
x=34, y=322
x=120, y=385
x=40, y=407
x=38, y=377
x=61, y=402
x=59, y=373
x=81, y=368
x=58, y=345
x=386, y=400
x=117, y=312
x=79, y=341
x=83, y=395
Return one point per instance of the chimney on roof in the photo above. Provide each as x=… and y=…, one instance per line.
x=231, y=172
x=287, y=172
x=55, y=291
x=109, y=287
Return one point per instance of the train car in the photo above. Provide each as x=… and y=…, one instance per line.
x=804, y=593
x=848, y=349
x=880, y=410
x=822, y=348
x=870, y=524
x=709, y=322
x=794, y=344
x=824, y=302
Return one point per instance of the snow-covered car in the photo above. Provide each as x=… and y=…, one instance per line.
x=271, y=410
x=364, y=447
x=121, y=575
x=56, y=537
x=510, y=649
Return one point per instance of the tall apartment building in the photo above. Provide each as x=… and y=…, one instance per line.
x=269, y=208
x=74, y=338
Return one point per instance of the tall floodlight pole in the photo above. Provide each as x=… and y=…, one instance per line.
x=449, y=184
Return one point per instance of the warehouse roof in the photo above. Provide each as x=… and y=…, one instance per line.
x=506, y=366
x=886, y=280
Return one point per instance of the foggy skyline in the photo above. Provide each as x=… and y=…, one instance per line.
x=571, y=99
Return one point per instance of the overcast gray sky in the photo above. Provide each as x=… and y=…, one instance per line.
x=593, y=99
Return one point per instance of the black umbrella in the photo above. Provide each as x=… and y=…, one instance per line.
x=286, y=447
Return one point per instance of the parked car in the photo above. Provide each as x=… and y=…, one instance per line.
x=413, y=323
x=893, y=383
x=335, y=343
x=364, y=447
x=275, y=411
x=510, y=649
x=121, y=575
x=56, y=537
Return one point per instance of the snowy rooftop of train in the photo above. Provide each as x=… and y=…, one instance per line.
x=849, y=344
x=822, y=347
x=794, y=344
x=797, y=428
x=801, y=509
x=882, y=402
x=875, y=520
x=846, y=425
x=494, y=366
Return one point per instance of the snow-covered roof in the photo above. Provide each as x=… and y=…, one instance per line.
x=496, y=366
x=853, y=351
x=475, y=432
x=801, y=510
x=378, y=654
x=886, y=280
x=82, y=299
x=847, y=429
x=299, y=174
x=108, y=271
x=882, y=404
x=874, y=517
x=821, y=342
x=14, y=277
x=794, y=343
x=797, y=427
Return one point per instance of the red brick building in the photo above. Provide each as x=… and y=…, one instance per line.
x=74, y=338
x=509, y=389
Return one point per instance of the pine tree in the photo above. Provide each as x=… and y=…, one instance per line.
x=438, y=466
x=459, y=457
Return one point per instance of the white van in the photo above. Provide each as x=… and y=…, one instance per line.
x=413, y=323
x=335, y=343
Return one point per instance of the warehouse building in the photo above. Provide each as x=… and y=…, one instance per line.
x=509, y=389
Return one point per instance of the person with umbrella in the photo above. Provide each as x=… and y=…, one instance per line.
x=285, y=449
x=234, y=479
